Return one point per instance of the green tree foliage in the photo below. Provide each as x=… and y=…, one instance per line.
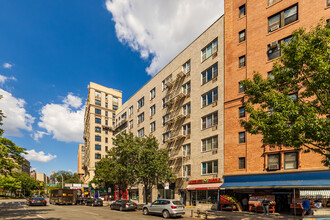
x=9, y=183
x=303, y=69
x=68, y=177
x=27, y=184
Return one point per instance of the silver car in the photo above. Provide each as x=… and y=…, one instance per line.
x=166, y=207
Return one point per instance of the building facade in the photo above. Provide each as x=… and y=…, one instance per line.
x=40, y=177
x=182, y=106
x=101, y=106
x=80, y=160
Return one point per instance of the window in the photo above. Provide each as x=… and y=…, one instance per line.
x=210, y=167
x=106, y=148
x=210, y=120
x=97, y=147
x=186, y=109
x=114, y=107
x=186, y=129
x=274, y=48
x=241, y=163
x=97, y=94
x=152, y=110
x=186, y=88
x=165, y=119
x=98, y=129
x=152, y=93
x=130, y=124
x=290, y=160
x=152, y=126
x=141, y=133
x=186, y=67
x=283, y=18
x=106, y=131
x=163, y=103
x=113, y=115
x=97, y=120
x=106, y=113
x=166, y=82
x=241, y=138
x=106, y=105
x=140, y=118
x=270, y=75
x=270, y=2
x=274, y=161
x=166, y=136
x=130, y=110
x=210, y=143
x=106, y=140
x=97, y=156
x=140, y=103
x=241, y=11
x=210, y=49
x=97, y=111
x=241, y=111
x=240, y=87
x=114, y=99
x=294, y=96
x=241, y=61
x=97, y=102
x=210, y=97
x=186, y=171
x=97, y=138
x=241, y=36
x=210, y=73
x=106, y=122
x=328, y=2
x=186, y=150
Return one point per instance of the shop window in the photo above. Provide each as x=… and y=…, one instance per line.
x=242, y=11
x=210, y=120
x=241, y=163
x=241, y=112
x=210, y=167
x=283, y=18
x=290, y=160
x=210, y=73
x=274, y=162
x=241, y=36
x=241, y=138
x=210, y=143
x=241, y=61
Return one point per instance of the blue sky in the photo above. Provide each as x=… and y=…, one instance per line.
x=51, y=50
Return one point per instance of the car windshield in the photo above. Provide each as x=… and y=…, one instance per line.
x=37, y=198
x=176, y=202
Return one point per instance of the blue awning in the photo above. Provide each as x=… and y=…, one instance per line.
x=287, y=180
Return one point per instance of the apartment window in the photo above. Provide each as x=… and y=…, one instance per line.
x=166, y=82
x=210, y=167
x=186, y=170
x=241, y=61
x=165, y=119
x=328, y=2
x=152, y=126
x=106, y=113
x=186, y=67
x=98, y=129
x=106, y=140
x=97, y=138
x=166, y=136
x=140, y=118
x=241, y=36
x=274, y=161
x=163, y=103
x=114, y=107
x=210, y=120
x=270, y=75
x=97, y=156
x=106, y=131
x=140, y=103
x=210, y=49
x=97, y=94
x=210, y=97
x=152, y=93
x=141, y=133
x=290, y=161
x=241, y=138
x=274, y=48
x=241, y=111
x=152, y=110
x=113, y=115
x=97, y=120
x=186, y=88
x=97, y=111
x=114, y=99
x=130, y=124
x=97, y=102
x=130, y=110
x=123, y=116
x=97, y=147
x=186, y=109
x=270, y=2
x=242, y=11
x=106, y=105
x=186, y=129
x=186, y=151
x=210, y=73
x=210, y=143
x=240, y=87
x=283, y=18
x=106, y=149
x=106, y=122
x=241, y=163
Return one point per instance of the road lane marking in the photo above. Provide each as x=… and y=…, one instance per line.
x=40, y=216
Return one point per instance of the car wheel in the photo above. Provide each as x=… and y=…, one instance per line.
x=145, y=211
x=111, y=208
x=166, y=214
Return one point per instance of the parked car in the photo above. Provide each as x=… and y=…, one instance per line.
x=36, y=201
x=94, y=202
x=165, y=207
x=81, y=200
x=123, y=205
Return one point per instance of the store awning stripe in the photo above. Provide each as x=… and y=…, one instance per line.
x=277, y=184
x=208, y=186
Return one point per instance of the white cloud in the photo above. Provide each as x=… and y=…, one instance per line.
x=40, y=156
x=7, y=65
x=38, y=134
x=64, y=121
x=161, y=29
x=16, y=116
x=3, y=79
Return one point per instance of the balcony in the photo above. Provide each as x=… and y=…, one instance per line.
x=169, y=84
x=107, y=127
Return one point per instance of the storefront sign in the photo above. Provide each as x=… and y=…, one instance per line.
x=68, y=185
x=205, y=180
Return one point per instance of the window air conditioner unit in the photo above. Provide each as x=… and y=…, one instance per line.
x=274, y=27
x=214, y=151
x=273, y=44
x=273, y=167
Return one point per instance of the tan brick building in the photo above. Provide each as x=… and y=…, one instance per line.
x=102, y=103
x=80, y=160
x=182, y=106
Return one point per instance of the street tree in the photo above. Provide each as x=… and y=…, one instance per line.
x=291, y=107
x=68, y=177
x=105, y=175
x=9, y=183
x=28, y=184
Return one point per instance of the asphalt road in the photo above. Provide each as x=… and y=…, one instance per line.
x=17, y=209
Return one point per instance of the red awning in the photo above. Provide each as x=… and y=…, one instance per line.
x=204, y=186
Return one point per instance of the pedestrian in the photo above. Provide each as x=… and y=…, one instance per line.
x=265, y=206
x=245, y=203
x=306, y=206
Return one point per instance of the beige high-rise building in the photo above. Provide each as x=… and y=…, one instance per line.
x=182, y=106
x=81, y=160
x=102, y=103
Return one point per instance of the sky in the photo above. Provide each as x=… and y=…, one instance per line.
x=51, y=50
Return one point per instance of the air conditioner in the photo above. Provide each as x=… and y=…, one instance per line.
x=214, y=128
x=214, y=151
x=214, y=79
x=214, y=104
x=274, y=27
x=214, y=54
x=214, y=49
x=188, y=69
x=273, y=167
x=273, y=44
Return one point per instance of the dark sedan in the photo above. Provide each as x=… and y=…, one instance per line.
x=36, y=201
x=94, y=202
x=123, y=205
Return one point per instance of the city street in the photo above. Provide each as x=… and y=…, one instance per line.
x=17, y=209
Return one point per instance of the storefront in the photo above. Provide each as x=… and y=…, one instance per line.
x=133, y=193
x=166, y=191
